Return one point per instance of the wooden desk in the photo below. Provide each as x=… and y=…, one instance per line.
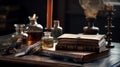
x=113, y=60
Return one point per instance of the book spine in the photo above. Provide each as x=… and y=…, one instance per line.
x=80, y=47
x=81, y=42
x=78, y=41
x=71, y=47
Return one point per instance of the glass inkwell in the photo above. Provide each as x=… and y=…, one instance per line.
x=47, y=40
x=56, y=30
x=19, y=35
x=17, y=41
x=91, y=8
x=34, y=30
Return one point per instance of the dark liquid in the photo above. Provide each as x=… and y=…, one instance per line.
x=33, y=37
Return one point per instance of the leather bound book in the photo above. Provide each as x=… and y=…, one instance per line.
x=73, y=56
x=71, y=47
x=81, y=38
x=80, y=42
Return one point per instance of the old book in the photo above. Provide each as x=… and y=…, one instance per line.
x=81, y=38
x=80, y=48
x=81, y=42
x=73, y=56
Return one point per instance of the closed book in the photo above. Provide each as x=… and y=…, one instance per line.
x=96, y=37
x=73, y=56
x=81, y=42
x=95, y=43
x=81, y=39
x=81, y=47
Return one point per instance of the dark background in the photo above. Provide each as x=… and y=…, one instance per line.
x=69, y=13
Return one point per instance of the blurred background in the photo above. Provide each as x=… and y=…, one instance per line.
x=69, y=12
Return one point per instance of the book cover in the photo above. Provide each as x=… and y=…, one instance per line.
x=81, y=38
x=73, y=56
x=97, y=37
x=80, y=42
x=80, y=47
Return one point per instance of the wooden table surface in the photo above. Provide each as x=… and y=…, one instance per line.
x=113, y=60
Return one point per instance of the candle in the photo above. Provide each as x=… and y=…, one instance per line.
x=49, y=14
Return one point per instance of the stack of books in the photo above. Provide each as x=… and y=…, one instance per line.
x=78, y=48
x=81, y=42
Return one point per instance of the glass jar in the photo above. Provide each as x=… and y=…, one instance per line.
x=34, y=30
x=56, y=30
x=47, y=40
x=19, y=35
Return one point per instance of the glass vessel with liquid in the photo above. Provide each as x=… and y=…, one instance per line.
x=34, y=30
x=56, y=30
x=19, y=35
x=47, y=40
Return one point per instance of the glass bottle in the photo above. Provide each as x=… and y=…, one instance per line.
x=19, y=35
x=56, y=30
x=47, y=40
x=34, y=30
x=16, y=41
